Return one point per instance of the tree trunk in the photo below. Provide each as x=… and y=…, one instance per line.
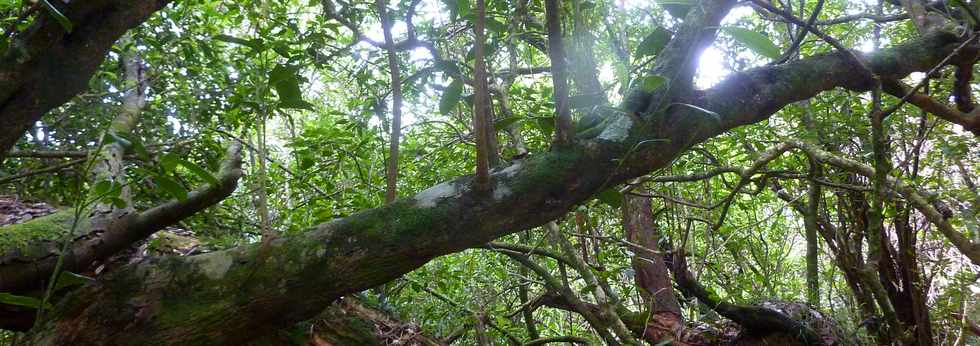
x=650, y=271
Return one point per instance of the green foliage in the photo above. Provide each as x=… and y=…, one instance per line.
x=653, y=43
x=652, y=82
x=286, y=82
x=58, y=16
x=450, y=97
x=677, y=8
x=755, y=41
x=13, y=299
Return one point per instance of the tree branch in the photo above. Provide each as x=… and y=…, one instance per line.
x=52, y=65
x=22, y=269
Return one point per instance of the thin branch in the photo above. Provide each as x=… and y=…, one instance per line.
x=556, y=52
x=53, y=168
x=482, y=123
x=391, y=172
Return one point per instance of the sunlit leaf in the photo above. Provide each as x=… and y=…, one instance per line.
x=13, y=299
x=677, y=8
x=171, y=187
x=198, y=171
x=256, y=44
x=450, y=97
x=653, y=43
x=58, y=16
x=754, y=41
x=652, y=82
x=286, y=82
x=169, y=162
x=505, y=122
x=611, y=197
x=69, y=279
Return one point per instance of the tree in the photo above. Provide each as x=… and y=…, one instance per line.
x=241, y=293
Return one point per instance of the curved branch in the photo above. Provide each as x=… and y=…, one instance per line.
x=553, y=339
x=755, y=319
x=25, y=269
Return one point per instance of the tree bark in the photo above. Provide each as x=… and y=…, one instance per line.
x=651, y=272
x=556, y=51
x=482, y=121
x=391, y=174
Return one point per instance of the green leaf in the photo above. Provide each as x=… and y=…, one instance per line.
x=101, y=188
x=286, y=82
x=69, y=279
x=171, y=187
x=496, y=26
x=653, y=43
x=13, y=299
x=58, y=16
x=256, y=44
x=169, y=162
x=306, y=162
x=282, y=49
x=450, y=97
x=116, y=202
x=505, y=122
x=113, y=137
x=652, y=82
x=586, y=100
x=677, y=8
x=198, y=171
x=611, y=197
x=758, y=43
x=463, y=8
x=546, y=125
x=130, y=142
x=139, y=148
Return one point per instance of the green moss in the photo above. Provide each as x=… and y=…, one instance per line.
x=399, y=219
x=545, y=170
x=408, y=221
x=165, y=243
x=49, y=227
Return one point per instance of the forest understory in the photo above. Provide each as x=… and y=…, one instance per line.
x=489, y=172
